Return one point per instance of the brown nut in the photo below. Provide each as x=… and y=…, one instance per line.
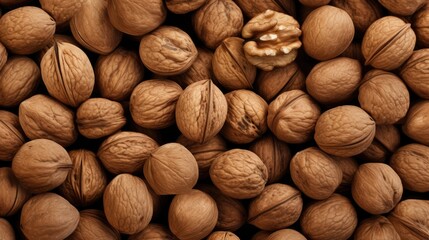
x=86, y=181
x=315, y=173
x=403, y=7
x=420, y=25
x=416, y=123
x=388, y=43
x=192, y=215
x=183, y=6
x=414, y=72
x=7, y=230
x=67, y=73
x=222, y=235
x=239, y=174
x=19, y=77
x=93, y=225
x=261, y=235
x=387, y=140
x=273, y=40
x=153, y=231
x=126, y=152
x=12, y=194
x=153, y=103
x=286, y=234
x=292, y=116
x=126, y=16
x=171, y=169
x=327, y=32
x=376, y=188
x=26, y=30
x=43, y=117
x=277, y=207
x=217, y=20
x=135, y=215
x=344, y=131
x=314, y=3
x=167, y=51
x=334, y=81
x=411, y=163
x=251, y=8
x=10, y=142
x=354, y=51
x=332, y=218
x=377, y=227
x=48, y=216
x=201, y=111
x=348, y=166
x=10, y=118
x=410, y=219
x=61, y=10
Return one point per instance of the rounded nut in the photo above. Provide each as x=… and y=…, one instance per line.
x=348, y=166
x=7, y=230
x=410, y=219
x=420, y=26
x=377, y=227
x=251, y=8
x=376, y=188
x=61, y=10
x=10, y=142
x=11, y=118
x=222, y=235
x=286, y=234
x=414, y=73
x=403, y=7
x=153, y=231
x=93, y=225
x=314, y=3
x=416, y=123
x=262, y=235
x=12, y=194
x=183, y=6
x=387, y=140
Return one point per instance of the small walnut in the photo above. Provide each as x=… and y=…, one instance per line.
x=420, y=23
x=274, y=40
x=171, y=169
x=410, y=219
x=278, y=206
x=153, y=231
x=387, y=140
x=377, y=227
x=315, y=173
x=7, y=230
x=239, y=174
x=414, y=72
x=403, y=7
x=12, y=194
x=376, y=188
x=192, y=215
x=348, y=166
x=354, y=51
x=183, y=6
x=48, y=216
x=61, y=10
x=135, y=215
x=222, y=235
x=286, y=234
x=344, y=131
x=263, y=235
x=167, y=51
x=10, y=142
x=416, y=124
x=93, y=225
x=332, y=218
x=251, y=8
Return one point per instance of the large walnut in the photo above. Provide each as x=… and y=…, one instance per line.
x=12, y=194
x=62, y=10
x=93, y=225
x=410, y=219
x=414, y=72
x=377, y=227
x=416, y=124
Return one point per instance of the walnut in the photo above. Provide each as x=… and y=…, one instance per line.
x=286, y=234
x=387, y=140
x=10, y=142
x=315, y=173
x=344, y=131
x=10, y=118
x=7, y=230
x=183, y=6
x=251, y=8
x=332, y=218
x=262, y=235
x=222, y=235
x=62, y=10
x=56, y=39
x=416, y=122
x=410, y=219
x=12, y=194
x=171, y=169
x=403, y=7
x=135, y=215
x=348, y=166
x=239, y=174
x=377, y=227
x=167, y=51
x=376, y=188
x=278, y=206
x=354, y=51
x=414, y=70
x=153, y=103
x=420, y=25
x=327, y=32
x=48, y=216
x=153, y=231
x=314, y=3
x=93, y=225
x=292, y=116
x=274, y=40
x=192, y=215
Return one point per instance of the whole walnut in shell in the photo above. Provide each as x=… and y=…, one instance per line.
x=292, y=116
x=183, y=6
x=414, y=72
x=62, y=11
x=315, y=173
x=93, y=225
x=222, y=235
x=410, y=219
x=348, y=166
x=153, y=103
x=171, y=169
x=344, y=131
x=416, y=124
x=387, y=139
x=41, y=165
x=420, y=26
x=167, y=51
x=48, y=216
x=12, y=194
x=3, y=55
x=403, y=7
x=136, y=214
x=376, y=188
x=286, y=234
x=332, y=218
x=374, y=228
x=239, y=174
x=10, y=142
x=7, y=230
x=251, y=8
x=192, y=215
x=153, y=231
x=26, y=30
x=11, y=118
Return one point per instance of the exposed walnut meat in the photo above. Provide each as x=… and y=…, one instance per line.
x=273, y=40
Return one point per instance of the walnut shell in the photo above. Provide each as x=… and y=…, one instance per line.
x=167, y=51
x=377, y=227
x=7, y=230
x=387, y=140
x=239, y=174
x=344, y=131
x=10, y=142
x=126, y=152
x=410, y=219
x=222, y=235
x=251, y=8
x=403, y=7
x=86, y=181
x=192, y=215
x=354, y=51
x=376, y=188
x=388, y=43
x=41, y=165
x=43, y=117
x=332, y=218
x=67, y=74
x=171, y=169
x=314, y=3
x=414, y=73
x=153, y=231
x=153, y=103
x=327, y=32
x=315, y=173
x=56, y=39
x=277, y=207
x=126, y=16
x=12, y=194
x=93, y=225
x=420, y=26
x=26, y=30
x=217, y=20
x=61, y=10
x=19, y=77
x=292, y=116
x=201, y=111
x=262, y=235
x=10, y=118
x=183, y=6
x=416, y=122
x=135, y=215
x=48, y=216
x=286, y=234
x=348, y=166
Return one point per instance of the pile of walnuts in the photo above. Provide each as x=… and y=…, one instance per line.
x=214, y=119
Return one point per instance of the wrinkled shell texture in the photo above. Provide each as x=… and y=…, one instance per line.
x=251, y=8
x=201, y=69
x=11, y=140
x=93, y=225
x=153, y=231
x=183, y=6
x=420, y=26
x=377, y=227
x=222, y=235
x=416, y=123
x=387, y=140
x=62, y=10
x=410, y=219
x=414, y=72
x=402, y=7
x=12, y=194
